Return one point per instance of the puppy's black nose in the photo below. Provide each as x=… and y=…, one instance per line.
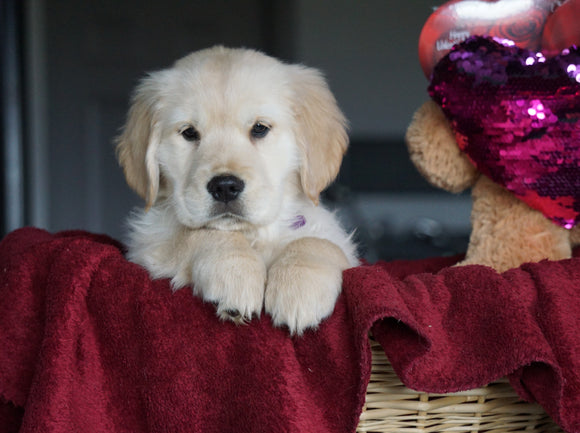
x=225, y=188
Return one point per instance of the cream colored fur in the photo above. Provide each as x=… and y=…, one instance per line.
x=249, y=253
x=505, y=231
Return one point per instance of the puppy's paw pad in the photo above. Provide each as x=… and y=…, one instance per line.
x=235, y=286
x=233, y=315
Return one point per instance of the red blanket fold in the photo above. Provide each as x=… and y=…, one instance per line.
x=89, y=343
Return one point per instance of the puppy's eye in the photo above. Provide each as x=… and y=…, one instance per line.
x=190, y=134
x=259, y=130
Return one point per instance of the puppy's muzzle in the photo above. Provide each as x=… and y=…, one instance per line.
x=225, y=188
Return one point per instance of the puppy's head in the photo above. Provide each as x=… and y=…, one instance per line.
x=227, y=135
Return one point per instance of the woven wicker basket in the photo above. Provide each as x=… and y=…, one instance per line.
x=496, y=408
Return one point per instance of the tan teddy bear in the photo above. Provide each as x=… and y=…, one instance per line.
x=506, y=232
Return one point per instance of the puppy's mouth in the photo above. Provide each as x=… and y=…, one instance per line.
x=227, y=221
x=228, y=216
x=231, y=210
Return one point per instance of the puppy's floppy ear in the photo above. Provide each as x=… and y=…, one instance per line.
x=139, y=140
x=320, y=130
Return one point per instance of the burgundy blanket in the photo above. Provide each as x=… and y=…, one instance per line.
x=88, y=343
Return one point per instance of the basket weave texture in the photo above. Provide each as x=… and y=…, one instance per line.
x=495, y=408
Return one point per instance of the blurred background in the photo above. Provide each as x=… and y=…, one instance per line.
x=68, y=68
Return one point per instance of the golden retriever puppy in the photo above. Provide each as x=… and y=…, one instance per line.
x=231, y=149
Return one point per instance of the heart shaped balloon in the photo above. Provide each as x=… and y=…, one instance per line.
x=516, y=114
x=561, y=29
x=539, y=25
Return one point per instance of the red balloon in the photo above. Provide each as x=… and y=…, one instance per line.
x=521, y=21
x=562, y=29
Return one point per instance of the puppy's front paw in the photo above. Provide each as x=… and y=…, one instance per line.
x=301, y=297
x=234, y=281
x=303, y=284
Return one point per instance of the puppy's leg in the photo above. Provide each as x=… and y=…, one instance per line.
x=304, y=282
x=227, y=271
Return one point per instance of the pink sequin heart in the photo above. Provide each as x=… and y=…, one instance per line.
x=516, y=114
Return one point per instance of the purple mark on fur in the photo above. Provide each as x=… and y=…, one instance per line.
x=298, y=222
